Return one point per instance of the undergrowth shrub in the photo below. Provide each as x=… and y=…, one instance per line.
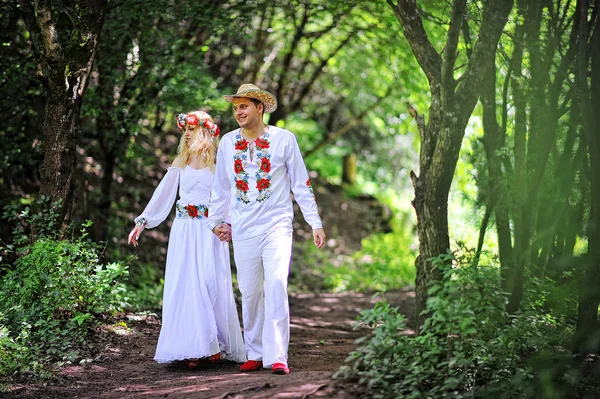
x=468, y=342
x=385, y=262
x=52, y=295
x=146, y=292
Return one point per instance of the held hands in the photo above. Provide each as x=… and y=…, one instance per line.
x=135, y=235
x=223, y=231
x=319, y=237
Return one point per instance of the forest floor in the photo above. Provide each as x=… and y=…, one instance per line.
x=322, y=336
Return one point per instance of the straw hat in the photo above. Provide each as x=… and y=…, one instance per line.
x=248, y=90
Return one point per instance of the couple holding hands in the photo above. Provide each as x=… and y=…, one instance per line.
x=244, y=197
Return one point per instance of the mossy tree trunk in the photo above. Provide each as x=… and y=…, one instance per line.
x=65, y=54
x=452, y=102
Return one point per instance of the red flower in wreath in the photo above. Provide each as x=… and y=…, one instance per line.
x=191, y=120
x=263, y=184
x=241, y=185
x=209, y=125
x=192, y=211
x=308, y=183
x=241, y=145
x=265, y=165
x=261, y=143
x=237, y=166
x=212, y=127
x=206, y=212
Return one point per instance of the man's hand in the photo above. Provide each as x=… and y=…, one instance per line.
x=223, y=231
x=135, y=235
x=319, y=237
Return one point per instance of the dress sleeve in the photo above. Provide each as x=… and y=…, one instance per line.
x=300, y=184
x=220, y=196
x=160, y=204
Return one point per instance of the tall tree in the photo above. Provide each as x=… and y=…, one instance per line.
x=536, y=152
x=64, y=38
x=587, y=338
x=452, y=102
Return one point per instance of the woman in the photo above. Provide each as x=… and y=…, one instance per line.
x=199, y=318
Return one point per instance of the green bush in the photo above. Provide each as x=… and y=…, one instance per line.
x=145, y=293
x=467, y=342
x=50, y=298
x=385, y=262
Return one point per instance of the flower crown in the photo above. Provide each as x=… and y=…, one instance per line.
x=191, y=121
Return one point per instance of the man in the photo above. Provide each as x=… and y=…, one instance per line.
x=257, y=167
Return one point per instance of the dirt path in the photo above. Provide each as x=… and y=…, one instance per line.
x=321, y=338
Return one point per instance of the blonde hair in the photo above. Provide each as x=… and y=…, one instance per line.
x=202, y=144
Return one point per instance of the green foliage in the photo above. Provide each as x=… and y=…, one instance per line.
x=558, y=297
x=386, y=261
x=39, y=218
x=21, y=102
x=146, y=291
x=52, y=296
x=310, y=268
x=467, y=342
x=327, y=162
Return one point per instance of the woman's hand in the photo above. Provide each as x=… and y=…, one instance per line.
x=135, y=235
x=223, y=231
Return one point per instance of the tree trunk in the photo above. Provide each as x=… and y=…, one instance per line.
x=498, y=196
x=65, y=73
x=432, y=226
x=431, y=206
x=452, y=103
x=105, y=200
x=59, y=132
x=586, y=337
x=349, y=169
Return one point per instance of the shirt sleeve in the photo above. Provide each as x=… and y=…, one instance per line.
x=220, y=196
x=301, y=187
x=160, y=204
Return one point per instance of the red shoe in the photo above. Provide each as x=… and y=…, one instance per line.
x=280, y=368
x=251, y=365
x=192, y=364
x=214, y=358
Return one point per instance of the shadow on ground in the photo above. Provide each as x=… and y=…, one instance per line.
x=322, y=335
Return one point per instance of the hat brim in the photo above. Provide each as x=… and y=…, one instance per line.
x=263, y=96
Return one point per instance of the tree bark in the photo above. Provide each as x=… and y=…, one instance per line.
x=349, y=169
x=452, y=103
x=537, y=122
x=65, y=70
x=586, y=337
x=498, y=197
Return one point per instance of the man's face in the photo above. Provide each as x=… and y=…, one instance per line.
x=245, y=112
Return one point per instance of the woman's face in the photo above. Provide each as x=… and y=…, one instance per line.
x=189, y=135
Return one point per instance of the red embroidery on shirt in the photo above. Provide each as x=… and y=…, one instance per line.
x=265, y=165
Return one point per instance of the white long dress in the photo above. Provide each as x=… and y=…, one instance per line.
x=199, y=316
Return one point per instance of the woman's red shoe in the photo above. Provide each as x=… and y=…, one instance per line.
x=192, y=364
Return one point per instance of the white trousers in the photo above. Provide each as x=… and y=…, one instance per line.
x=263, y=266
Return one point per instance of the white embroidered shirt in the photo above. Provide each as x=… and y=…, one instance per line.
x=256, y=179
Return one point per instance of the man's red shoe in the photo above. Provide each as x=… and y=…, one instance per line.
x=280, y=368
x=251, y=365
